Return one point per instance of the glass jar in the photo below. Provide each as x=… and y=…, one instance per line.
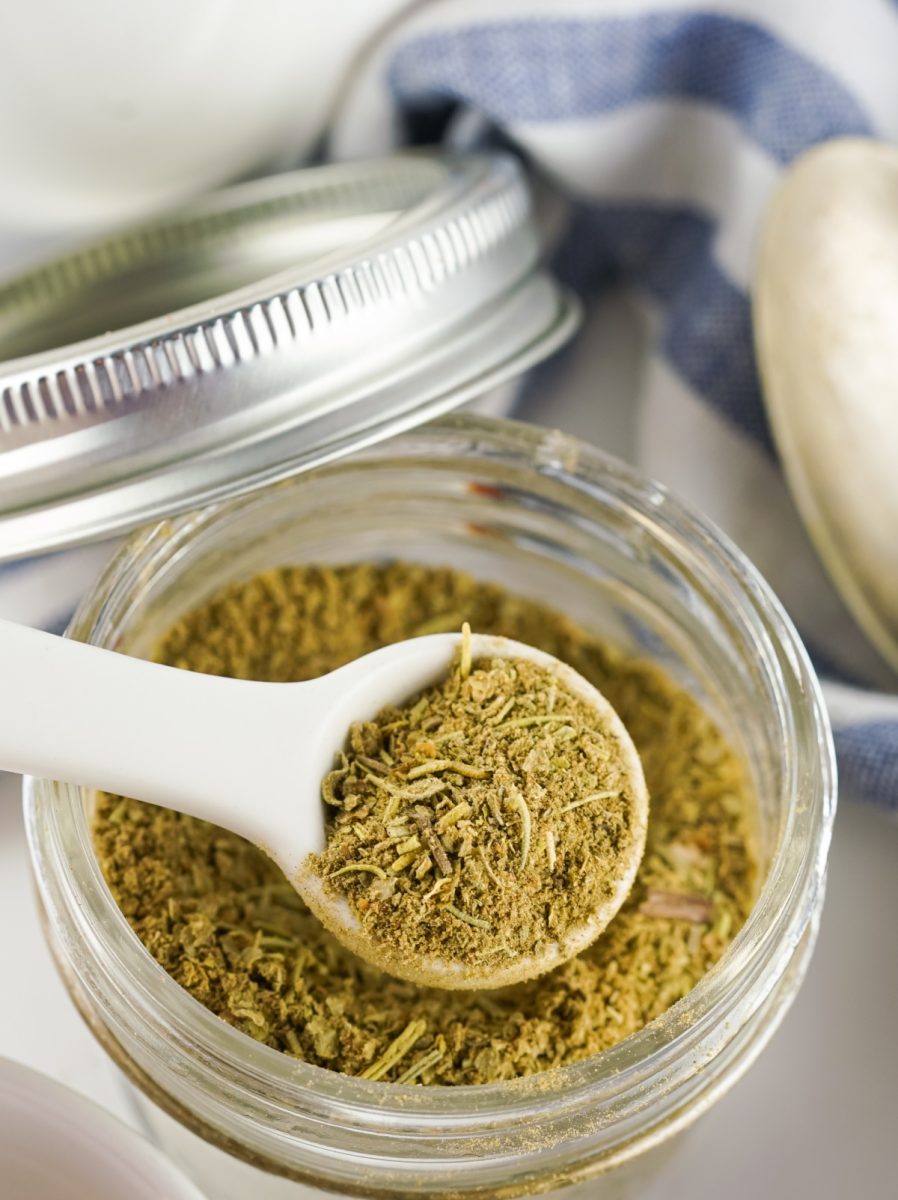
x=553, y=519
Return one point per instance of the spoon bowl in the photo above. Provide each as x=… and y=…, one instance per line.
x=251, y=756
x=408, y=668
x=826, y=315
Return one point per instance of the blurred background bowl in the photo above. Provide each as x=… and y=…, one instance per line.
x=55, y=1145
x=109, y=111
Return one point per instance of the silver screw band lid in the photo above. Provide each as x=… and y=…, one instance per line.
x=261, y=331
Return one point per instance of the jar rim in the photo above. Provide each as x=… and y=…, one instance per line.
x=623, y=1075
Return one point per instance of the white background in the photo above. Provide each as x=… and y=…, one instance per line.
x=816, y=1117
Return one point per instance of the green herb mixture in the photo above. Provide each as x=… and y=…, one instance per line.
x=226, y=925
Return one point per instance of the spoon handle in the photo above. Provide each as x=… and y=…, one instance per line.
x=196, y=743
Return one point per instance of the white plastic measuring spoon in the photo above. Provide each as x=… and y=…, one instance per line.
x=247, y=756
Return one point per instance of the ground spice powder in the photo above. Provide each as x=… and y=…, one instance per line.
x=484, y=823
x=225, y=924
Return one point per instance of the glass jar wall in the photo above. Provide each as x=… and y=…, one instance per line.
x=549, y=518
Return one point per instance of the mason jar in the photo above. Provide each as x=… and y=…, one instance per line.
x=549, y=518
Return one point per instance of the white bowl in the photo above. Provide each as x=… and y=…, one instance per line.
x=56, y=1145
x=109, y=111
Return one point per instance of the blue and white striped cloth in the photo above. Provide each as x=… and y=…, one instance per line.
x=661, y=127
x=664, y=125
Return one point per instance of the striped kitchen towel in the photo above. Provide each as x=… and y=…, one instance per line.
x=659, y=128
x=663, y=126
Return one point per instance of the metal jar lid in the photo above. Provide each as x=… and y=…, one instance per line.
x=259, y=332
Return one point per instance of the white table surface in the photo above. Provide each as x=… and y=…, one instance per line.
x=816, y=1117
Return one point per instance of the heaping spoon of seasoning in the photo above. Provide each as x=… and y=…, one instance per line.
x=539, y=812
